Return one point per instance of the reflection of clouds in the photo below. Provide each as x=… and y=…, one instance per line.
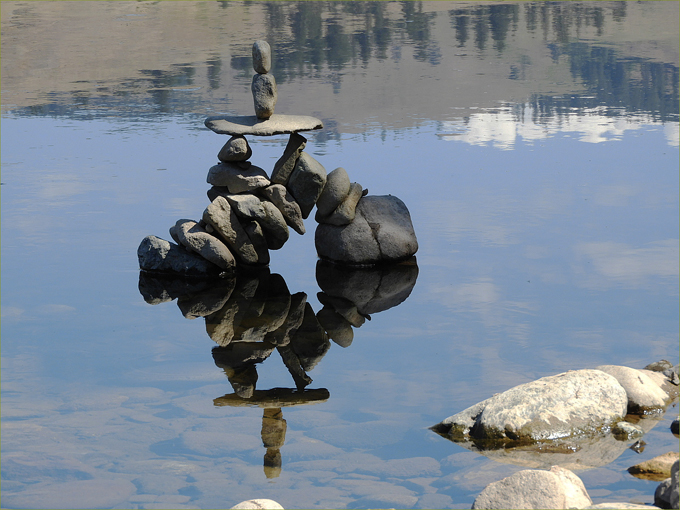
x=622, y=264
x=502, y=127
x=61, y=186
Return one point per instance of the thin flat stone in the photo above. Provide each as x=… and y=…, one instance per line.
x=277, y=124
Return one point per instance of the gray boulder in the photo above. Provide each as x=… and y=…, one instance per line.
x=334, y=192
x=223, y=219
x=574, y=403
x=160, y=256
x=644, y=394
x=236, y=149
x=284, y=201
x=195, y=238
x=666, y=494
x=286, y=163
x=381, y=232
x=262, y=57
x=306, y=182
x=265, y=95
x=557, y=488
x=236, y=179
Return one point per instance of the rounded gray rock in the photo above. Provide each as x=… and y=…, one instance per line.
x=262, y=57
x=206, y=245
x=236, y=149
x=644, y=395
x=334, y=192
x=158, y=255
x=265, y=95
x=381, y=232
x=237, y=180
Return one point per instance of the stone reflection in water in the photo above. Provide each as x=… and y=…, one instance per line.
x=251, y=313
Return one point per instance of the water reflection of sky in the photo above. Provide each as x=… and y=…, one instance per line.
x=540, y=252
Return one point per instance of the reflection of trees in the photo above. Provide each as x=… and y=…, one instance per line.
x=634, y=85
x=318, y=40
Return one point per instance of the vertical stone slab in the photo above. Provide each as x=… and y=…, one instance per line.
x=286, y=163
x=307, y=182
x=265, y=95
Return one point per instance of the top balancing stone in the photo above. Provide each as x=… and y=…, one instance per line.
x=277, y=124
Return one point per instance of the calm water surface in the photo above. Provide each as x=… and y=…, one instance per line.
x=535, y=145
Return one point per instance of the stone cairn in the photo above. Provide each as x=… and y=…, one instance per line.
x=250, y=212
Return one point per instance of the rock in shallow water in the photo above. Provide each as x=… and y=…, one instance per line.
x=575, y=403
x=557, y=488
x=381, y=232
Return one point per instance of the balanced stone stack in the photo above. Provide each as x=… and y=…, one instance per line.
x=250, y=213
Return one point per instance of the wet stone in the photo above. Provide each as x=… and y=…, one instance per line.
x=346, y=211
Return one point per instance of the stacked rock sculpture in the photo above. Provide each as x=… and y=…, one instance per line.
x=250, y=213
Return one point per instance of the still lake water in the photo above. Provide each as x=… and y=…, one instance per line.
x=535, y=145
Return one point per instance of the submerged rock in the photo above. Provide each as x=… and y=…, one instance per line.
x=557, y=488
x=381, y=232
x=658, y=468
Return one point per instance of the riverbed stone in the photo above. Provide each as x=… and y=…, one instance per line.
x=644, y=394
x=223, y=219
x=258, y=504
x=192, y=236
x=381, y=232
x=265, y=95
x=533, y=488
x=334, y=192
x=158, y=255
x=625, y=431
x=666, y=494
x=286, y=163
x=284, y=201
x=346, y=211
x=236, y=149
x=237, y=180
x=251, y=125
x=306, y=182
x=574, y=403
x=262, y=57
x=658, y=468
